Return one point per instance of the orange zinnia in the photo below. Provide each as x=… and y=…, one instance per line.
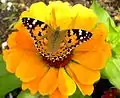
x=59, y=49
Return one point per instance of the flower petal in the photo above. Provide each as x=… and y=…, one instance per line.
x=34, y=84
x=66, y=84
x=30, y=67
x=85, y=89
x=21, y=39
x=57, y=19
x=84, y=75
x=12, y=58
x=97, y=41
x=83, y=21
x=49, y=82
x=42, y=15
x=57, y=94
x=93, y=60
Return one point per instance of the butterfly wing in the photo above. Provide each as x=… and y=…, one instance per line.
x=38, y=31
x=54, y=44
x=75, y=37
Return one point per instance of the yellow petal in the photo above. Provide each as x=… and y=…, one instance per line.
x=30, y=67
x=83, y=74
x=85, y=89
x=66, y=84
x=49, y=82
x=60, y=14
x=39, y=11
x=83, y=21
x=57, y=94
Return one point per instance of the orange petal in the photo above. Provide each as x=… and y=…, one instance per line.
x=30, y=67
x=34, y=84
x=57, y=94
x=84, y=75
x=13, y=59
x=49, y=82
x=97, y=41
x=66, y=84
x=21, y=39
x=93, y=60
x=85, y=89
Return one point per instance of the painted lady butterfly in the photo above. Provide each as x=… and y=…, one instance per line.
x=54, y=44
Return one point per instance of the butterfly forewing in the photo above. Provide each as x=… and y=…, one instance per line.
x=75, y=37
x=38, y=31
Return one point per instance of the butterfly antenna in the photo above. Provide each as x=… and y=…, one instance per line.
x=53, y=18
x=72, y=24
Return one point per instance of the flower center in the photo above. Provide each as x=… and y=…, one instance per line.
x=58, y=61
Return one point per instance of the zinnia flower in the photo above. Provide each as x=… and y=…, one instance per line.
x=57, y=47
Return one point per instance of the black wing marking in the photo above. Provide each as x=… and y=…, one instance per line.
x=82, y=35
x=75, y=37
x=31, y=23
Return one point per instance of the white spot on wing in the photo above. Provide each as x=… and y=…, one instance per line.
x=81, y=37
x=34, y=22
x=80, y=32
x=30, y=26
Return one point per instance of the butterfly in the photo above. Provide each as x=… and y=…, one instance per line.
x=54, y=44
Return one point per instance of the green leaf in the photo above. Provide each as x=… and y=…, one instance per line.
x=8, y=82
x=78, y=94
x=118, y=28
x=116, y=49
x=114, y=35
x=2, y=66
x=104, y=17
x=112, y=71
x=26, y=94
